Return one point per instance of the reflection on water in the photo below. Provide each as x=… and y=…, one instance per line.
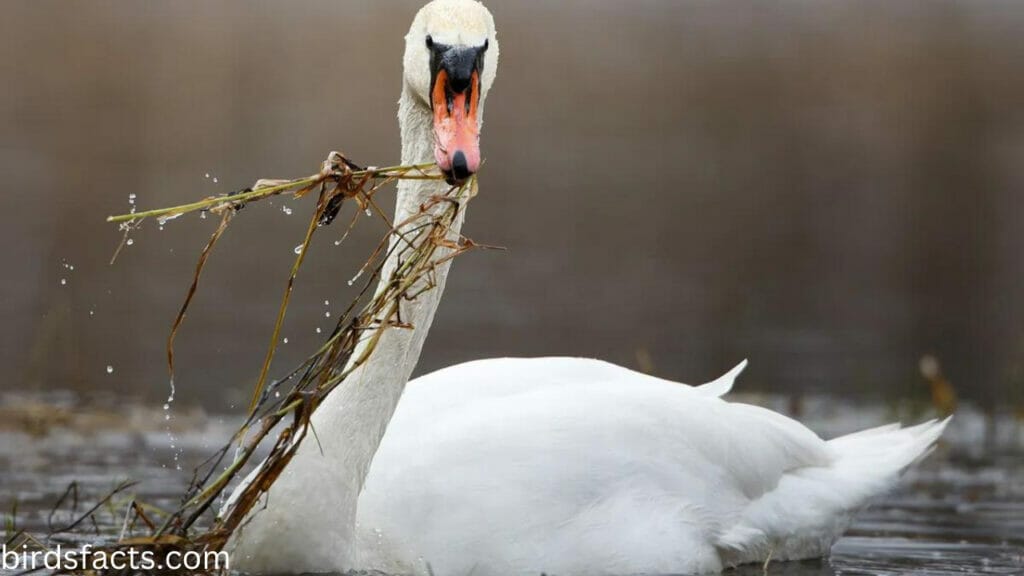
x=960, y=512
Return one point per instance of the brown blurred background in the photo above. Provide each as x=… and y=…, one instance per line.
x=832, y=189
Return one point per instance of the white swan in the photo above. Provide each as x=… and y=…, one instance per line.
x=557, y=465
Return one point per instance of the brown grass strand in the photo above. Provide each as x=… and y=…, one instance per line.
x=200, y=265
x=414, y=242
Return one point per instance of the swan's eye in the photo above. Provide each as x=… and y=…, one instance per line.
x=430, y=42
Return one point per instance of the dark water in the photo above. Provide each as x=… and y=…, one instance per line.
x=960, y=512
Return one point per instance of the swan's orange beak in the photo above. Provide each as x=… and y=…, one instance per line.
x=456, y=129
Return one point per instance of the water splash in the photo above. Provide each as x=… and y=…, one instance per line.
x=356, y=277
x=165, y=219
x=69, y=268
x=168, y=418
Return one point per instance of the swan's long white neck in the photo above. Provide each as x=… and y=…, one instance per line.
x=352, y=420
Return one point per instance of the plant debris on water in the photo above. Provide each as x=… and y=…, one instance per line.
x=286, y=403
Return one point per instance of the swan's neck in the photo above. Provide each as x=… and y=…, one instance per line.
x=351, y=421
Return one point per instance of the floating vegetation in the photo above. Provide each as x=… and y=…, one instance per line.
x=279, y=412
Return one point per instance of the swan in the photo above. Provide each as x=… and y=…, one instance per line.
x=559, y=465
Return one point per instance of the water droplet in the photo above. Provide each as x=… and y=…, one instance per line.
x=203, y=214
x=327, y=314
x=368, y=212
x=110, y=369
x=214, y=179
x=327, y=302
x=92, y=312
x=167, y=407
x=318, y=330
x=287, y=211
x=277, y=394
x=63, y=281
x=207, y=174
x=130, y=242
x=285, y=340
x=298, y=249
x=165, y=219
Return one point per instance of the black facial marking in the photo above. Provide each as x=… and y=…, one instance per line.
x=459, y=62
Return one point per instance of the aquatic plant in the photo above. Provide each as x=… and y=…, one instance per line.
x=286, y=404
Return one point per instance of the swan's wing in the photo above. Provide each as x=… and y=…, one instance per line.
x=723, y=384
x=534, y=463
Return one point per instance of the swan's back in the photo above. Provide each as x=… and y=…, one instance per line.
x=574, y=466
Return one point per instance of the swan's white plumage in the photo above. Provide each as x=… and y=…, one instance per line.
x=575, y=466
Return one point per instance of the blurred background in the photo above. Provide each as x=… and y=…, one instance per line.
x=832, y=190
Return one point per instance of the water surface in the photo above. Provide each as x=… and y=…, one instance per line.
x=960, y=512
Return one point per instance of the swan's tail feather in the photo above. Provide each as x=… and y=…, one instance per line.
x=812, y=506
x=882, y=454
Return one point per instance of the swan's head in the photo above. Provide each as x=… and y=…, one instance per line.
x=451, y=56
